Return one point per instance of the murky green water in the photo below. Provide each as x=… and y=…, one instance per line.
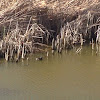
x=69, y=76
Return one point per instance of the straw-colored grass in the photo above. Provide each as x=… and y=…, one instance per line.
x=58, y=6
x=21, y=10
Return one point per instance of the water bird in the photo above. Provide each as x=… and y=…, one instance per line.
x=39, y=58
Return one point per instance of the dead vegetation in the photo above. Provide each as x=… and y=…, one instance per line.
x=29, y=25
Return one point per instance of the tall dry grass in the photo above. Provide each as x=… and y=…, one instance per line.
x=13, y=10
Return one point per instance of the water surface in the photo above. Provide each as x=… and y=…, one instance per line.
x=66, y=76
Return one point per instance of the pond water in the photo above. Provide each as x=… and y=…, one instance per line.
x=66, y=76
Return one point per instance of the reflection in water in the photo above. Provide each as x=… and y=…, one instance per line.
x=66, y=76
